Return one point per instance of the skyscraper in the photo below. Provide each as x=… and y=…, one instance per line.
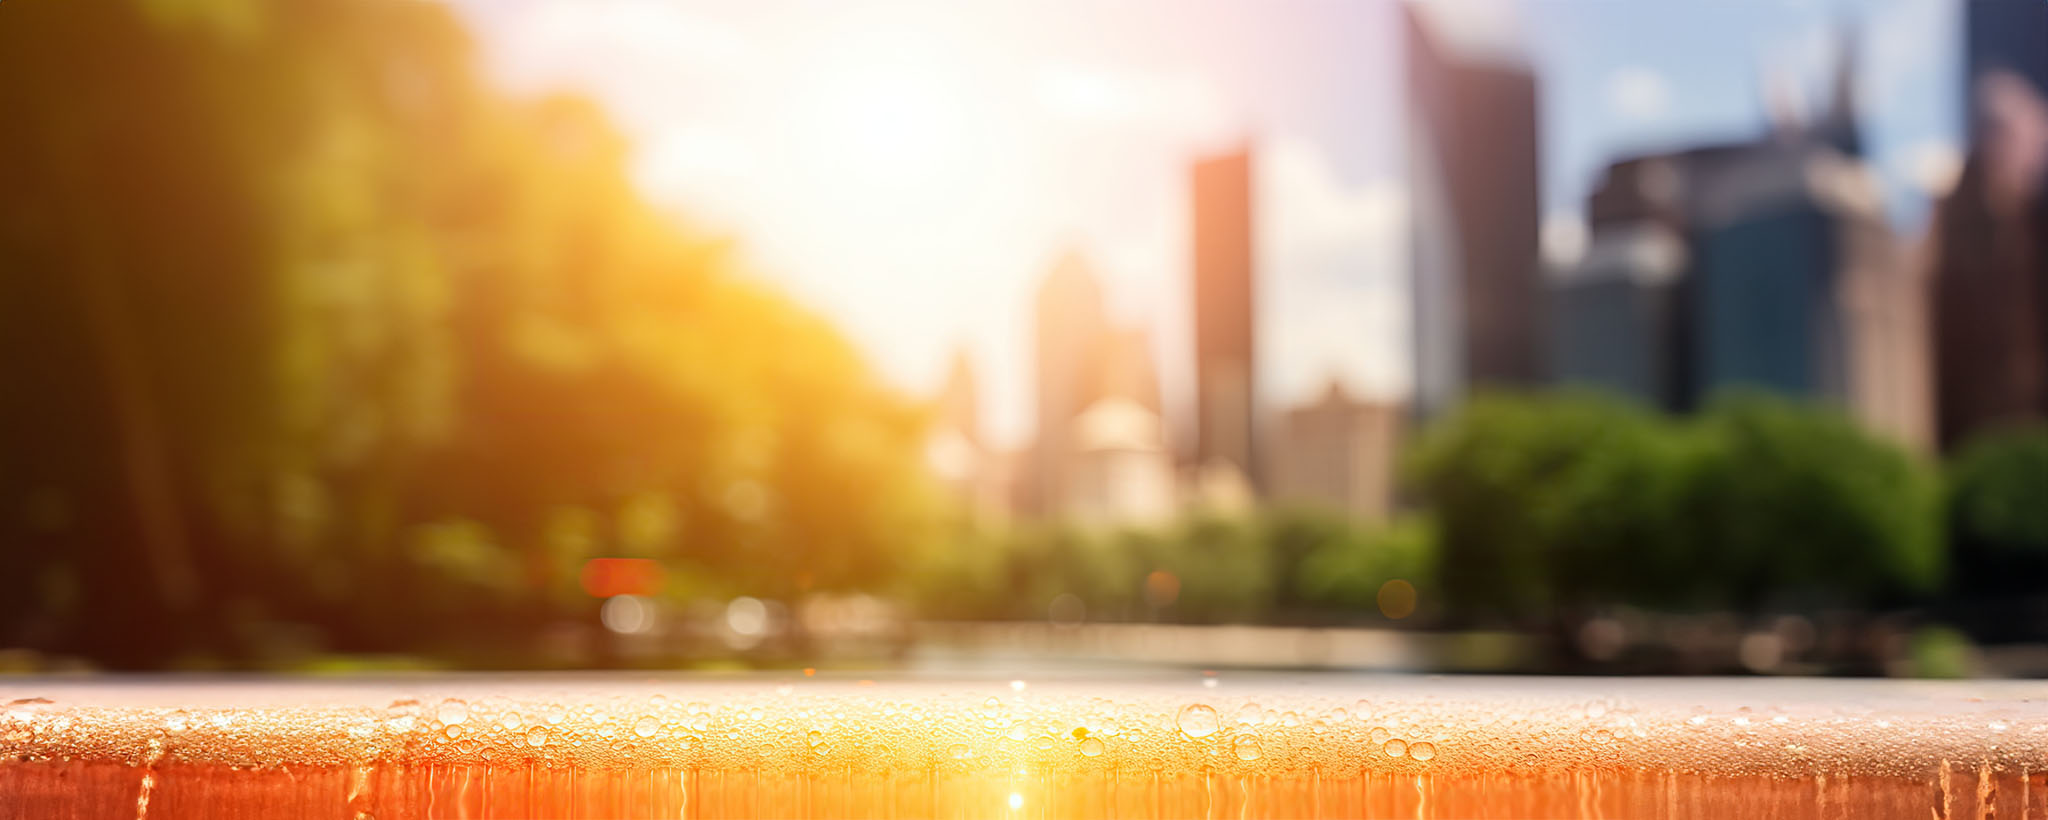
x=1764, y=264
x=1473, y=180
x=1990, y=242
x=1225, y=375
x=1070, y=326
x=2003, y=35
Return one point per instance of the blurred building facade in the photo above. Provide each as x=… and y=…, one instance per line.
x=1068, y=329
x=1225, y=378
x=1121, y=468
x=1225, y=353
x=1473, y=178
x=1763, y=264
x=1101, y=454
x=1990, y=263
x=981, y=477
x=1339, y=453
x=2003, y=35
x=1988, y=247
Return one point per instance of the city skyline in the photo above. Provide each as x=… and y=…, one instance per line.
x=1108, y=126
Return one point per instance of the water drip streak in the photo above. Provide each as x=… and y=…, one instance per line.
x=1987, y=792
x=153, y=752
x=1941, y=791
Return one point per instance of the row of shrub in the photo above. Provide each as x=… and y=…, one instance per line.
x=1528, y=509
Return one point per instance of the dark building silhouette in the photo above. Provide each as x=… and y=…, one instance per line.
x=1473, y=177
x=2004, y=35
x=1225, y=357
x=1619, y=318
x=1990, y=258
x=1765, y=264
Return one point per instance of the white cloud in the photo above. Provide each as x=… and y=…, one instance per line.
x=1638, y=93
x=1487, y=29
x=1333, y=300
x=1179, y=104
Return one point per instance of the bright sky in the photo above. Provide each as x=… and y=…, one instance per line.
x=912, y=168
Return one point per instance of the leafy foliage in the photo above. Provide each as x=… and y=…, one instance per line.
x=311, y=325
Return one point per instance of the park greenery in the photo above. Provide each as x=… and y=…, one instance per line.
x=304, y=324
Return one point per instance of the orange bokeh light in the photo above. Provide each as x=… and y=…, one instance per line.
x=606, y=577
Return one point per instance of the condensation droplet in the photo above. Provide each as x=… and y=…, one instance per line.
x=1380, y=734
x=646, y=726
x=1197, y=720
x=1247, y=747
x=452, y=712
x=1396, y=747
x=510, y=720
x=537, y=736
x=1091, y=747
x=1422, y=751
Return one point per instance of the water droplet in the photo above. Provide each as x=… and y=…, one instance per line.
x=1091, y=746
x=510, y=720
x=556, y=712
x=1247, y=747
x=1197, y=720
x=537, y=736
x=452, y=712
x=452, y=732
x=1337, y=716
x=814, y=738
x=1248, y=714
x=992, y=707
x=958, y=751
x=1044, y=742
x=1017, y=732
x=1396, y=747
x=646, y=726
x=1422, y=751
x=1379, y=734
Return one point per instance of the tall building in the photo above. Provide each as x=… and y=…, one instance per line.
x=1338, y=453
x=2003, y=35
x=1121, y=469
x=1070, y=326
x=1101, y=454
x=1765, y=264
x=1618, y=319
x=1990, y=256
x=980, y=477
x=1225, y=355
x=1473, y=180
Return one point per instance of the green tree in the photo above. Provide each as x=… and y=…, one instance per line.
x=1794, y=503
x=1998, y=513
x=1342, y=571
x=301, y=319
x=1546, y=502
